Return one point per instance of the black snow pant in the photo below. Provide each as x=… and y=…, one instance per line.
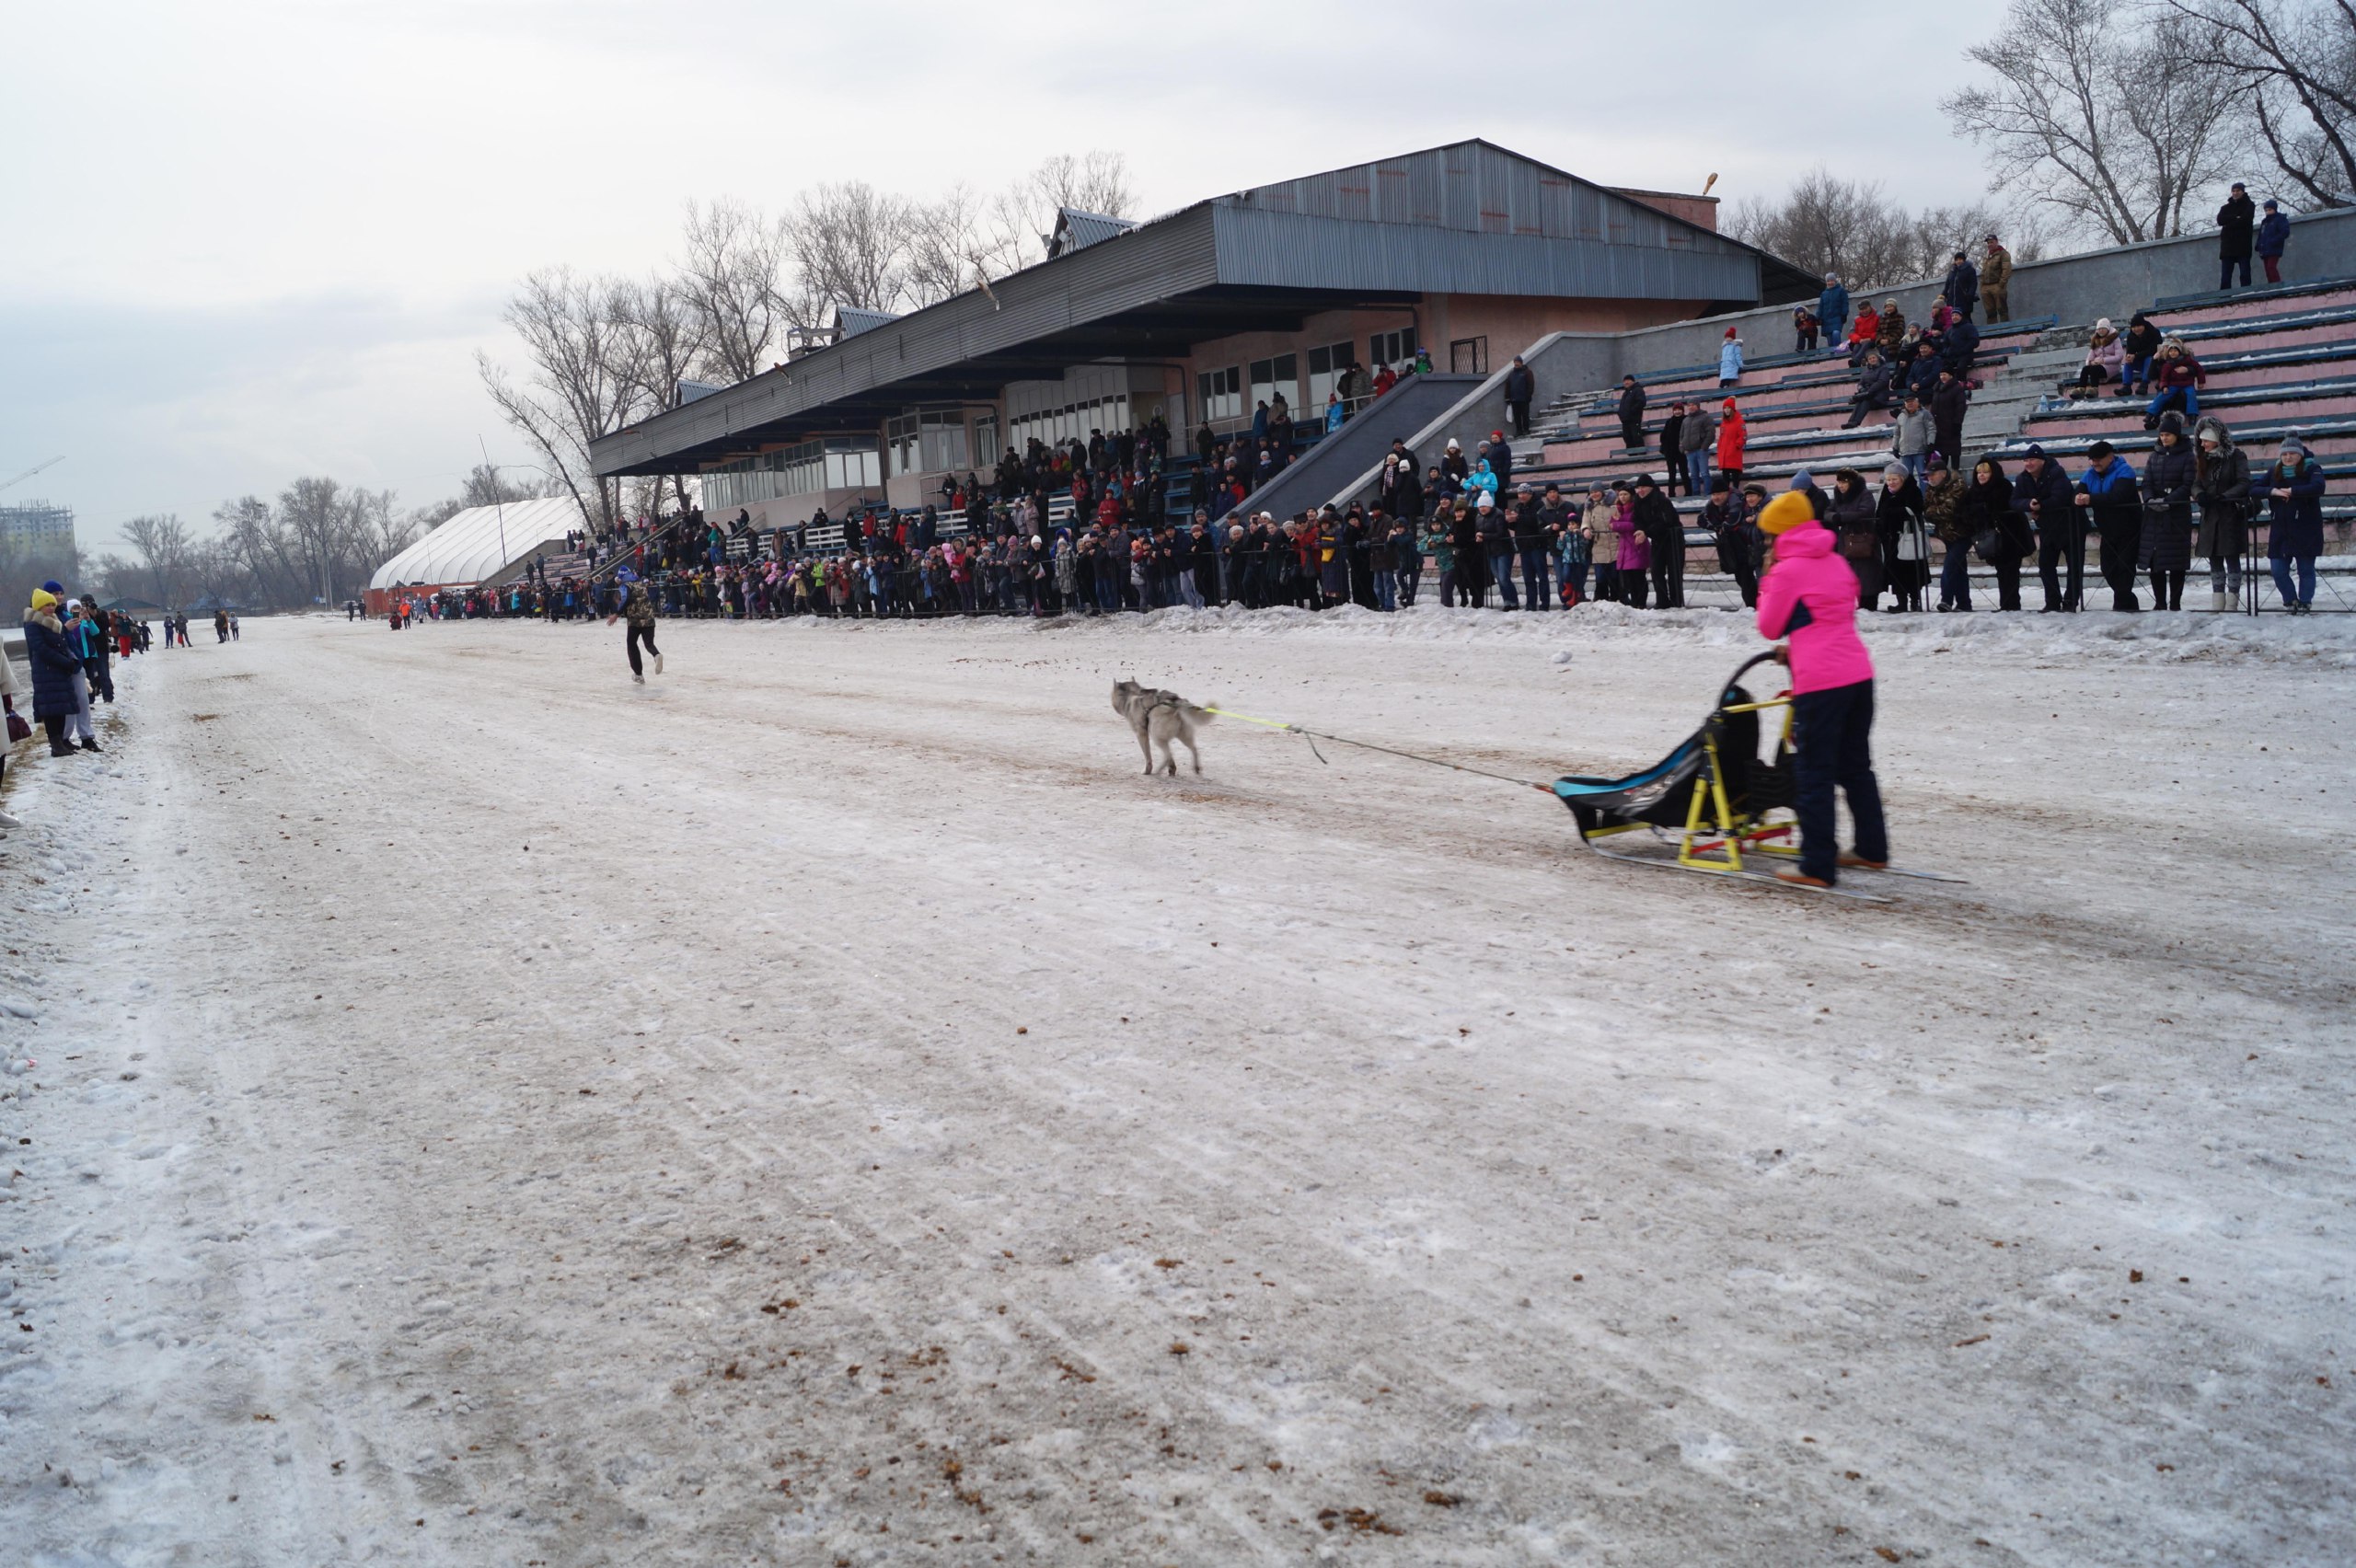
x=2058, y=544
x=638, y=634
x=2119, y=542
x=1833, y=732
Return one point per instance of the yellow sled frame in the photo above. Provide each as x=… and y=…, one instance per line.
x=1714, y=838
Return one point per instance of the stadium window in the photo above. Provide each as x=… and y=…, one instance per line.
x=1326, y=362
x=1393, y=349
x=1222, y=393
x=1275, y=378
x=1469, y=356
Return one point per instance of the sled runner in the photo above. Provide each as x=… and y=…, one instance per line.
x=1710, y=799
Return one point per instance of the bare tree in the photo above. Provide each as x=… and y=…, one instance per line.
x=2296, y=64
x=163, y=543
x=377, y=533
x=1023, y=217
x=1830, y=224
x=850, y=247
x=314, y=514
x=2110, y=127
x=736, y=311
x=579, y=386
x=949, y=240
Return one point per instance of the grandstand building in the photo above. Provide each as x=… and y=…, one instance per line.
x=1468, y=252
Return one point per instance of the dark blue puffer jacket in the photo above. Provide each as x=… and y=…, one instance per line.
x=53, y=666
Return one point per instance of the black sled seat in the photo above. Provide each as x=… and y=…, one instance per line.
x=1710, y=798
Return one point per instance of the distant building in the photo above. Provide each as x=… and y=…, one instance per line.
x=36, y=525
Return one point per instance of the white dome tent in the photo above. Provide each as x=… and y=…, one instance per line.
x=480, y=545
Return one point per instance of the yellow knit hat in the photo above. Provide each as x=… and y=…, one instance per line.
x=43, y=599
x=1785, y=513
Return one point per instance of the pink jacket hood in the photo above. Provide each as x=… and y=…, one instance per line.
x=1810, y=597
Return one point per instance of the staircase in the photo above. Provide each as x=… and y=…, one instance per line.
x=2002, y=407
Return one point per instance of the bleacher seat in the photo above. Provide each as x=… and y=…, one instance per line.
x=2282, y=360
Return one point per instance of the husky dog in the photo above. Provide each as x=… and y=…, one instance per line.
x=1159, y=718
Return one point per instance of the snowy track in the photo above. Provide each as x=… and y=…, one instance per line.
x=827, y=1106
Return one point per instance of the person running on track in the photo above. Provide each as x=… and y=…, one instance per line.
x=640, y=608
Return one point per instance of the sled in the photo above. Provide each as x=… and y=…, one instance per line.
x=1722, y=807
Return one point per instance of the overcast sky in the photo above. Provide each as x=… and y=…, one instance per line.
x=247, y=241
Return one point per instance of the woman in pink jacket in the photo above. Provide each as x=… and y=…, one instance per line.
x=1809, y=596
x=1636, y=550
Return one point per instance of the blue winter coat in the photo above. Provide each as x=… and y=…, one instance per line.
x=2273, y=235
x=54, y=665
x=1730, y=360
x=1832, y=308
x=2294, y=525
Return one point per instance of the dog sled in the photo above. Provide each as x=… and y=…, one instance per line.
x=1720, y=805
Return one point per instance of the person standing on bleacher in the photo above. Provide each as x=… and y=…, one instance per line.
x=2237, y=226
x=2273, y=234
x=1995, y=281
x=1961, y=289
x=1632, y=414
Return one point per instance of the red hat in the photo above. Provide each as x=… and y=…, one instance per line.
x=1729, y=331
x=1496, y=435
x=1729, y=406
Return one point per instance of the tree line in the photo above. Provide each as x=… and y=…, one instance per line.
x=601, y=352
x=318, y=543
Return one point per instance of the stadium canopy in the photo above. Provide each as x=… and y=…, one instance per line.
x=480, y=544
x=1469, y=218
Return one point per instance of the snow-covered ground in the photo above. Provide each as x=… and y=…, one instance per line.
x=827, y=1106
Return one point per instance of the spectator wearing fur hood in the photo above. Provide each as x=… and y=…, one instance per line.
x=2222, y=487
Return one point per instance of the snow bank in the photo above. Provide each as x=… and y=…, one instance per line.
x=2322, y=642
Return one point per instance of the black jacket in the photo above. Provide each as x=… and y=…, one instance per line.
x=1672, y=428
x=2237, y=223
x=2169, y=475
x=1632, y=403
x=1962, y=290
x=1521, y=386
x=2053, y=493
x=1948, y=401
x=1656, y=520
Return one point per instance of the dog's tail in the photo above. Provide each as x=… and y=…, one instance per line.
x=1199, y=715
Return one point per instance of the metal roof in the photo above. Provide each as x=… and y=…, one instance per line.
x=1470, y=217
x=851, y=322
x=1076, y=230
